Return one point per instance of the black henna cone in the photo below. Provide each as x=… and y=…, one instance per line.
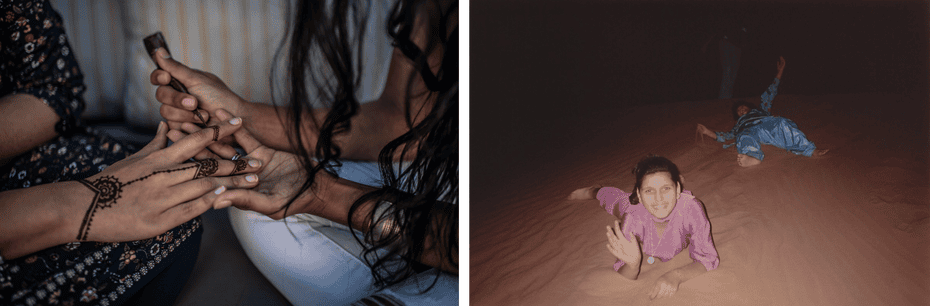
x=241, y=164
x=205, y=168
x=201, y=119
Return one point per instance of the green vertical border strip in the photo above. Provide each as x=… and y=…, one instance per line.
x=463, y=153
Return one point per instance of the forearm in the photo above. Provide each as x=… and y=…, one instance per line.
x=25, y=122
x=40, y=217
x=688, y=271
x=336, y=198
x=630, y=270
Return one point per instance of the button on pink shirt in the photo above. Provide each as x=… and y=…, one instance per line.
x=688, y=226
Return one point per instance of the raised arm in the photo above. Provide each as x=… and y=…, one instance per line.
x=622, y=243
x=770, y=93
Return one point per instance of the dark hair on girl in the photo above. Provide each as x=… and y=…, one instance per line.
x=737, y=104
x=418, y=198
x=653, y=164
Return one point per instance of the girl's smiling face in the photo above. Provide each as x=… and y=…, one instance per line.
x=659, y=194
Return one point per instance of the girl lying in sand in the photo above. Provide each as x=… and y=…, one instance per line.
x=756, y=126
x=670, y=220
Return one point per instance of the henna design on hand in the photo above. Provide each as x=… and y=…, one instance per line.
x=205, y=168
x=216, y=132
x=107, y=190
x=241, y=164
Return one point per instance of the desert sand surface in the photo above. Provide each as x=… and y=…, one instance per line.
x=568, y=94
x=849, y=228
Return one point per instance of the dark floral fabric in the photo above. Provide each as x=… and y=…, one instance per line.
x=37, y=60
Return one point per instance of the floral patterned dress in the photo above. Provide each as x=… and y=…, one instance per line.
x=37, y=60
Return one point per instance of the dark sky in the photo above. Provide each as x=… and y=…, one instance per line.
x=538, y=65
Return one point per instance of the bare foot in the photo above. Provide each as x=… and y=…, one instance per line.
x=746, y=160
x=820, y=152
x=586, y=193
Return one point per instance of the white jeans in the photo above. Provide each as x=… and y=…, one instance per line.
x=313, y=261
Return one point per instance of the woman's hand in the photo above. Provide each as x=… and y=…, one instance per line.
x=281, y=175
x=155, y=189
x=666, y=285
x=624, y=249
x=208, y=93
x=705, y=131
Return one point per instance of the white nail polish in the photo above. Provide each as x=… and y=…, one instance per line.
x=254, y=163
x=251, y=178
x=235, y=121
x=220, y=190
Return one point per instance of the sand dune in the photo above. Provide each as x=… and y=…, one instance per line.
x=849, y=228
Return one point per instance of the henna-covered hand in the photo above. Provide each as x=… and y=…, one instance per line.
x=156, y=189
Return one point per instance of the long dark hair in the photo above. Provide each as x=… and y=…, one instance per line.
x=653, y=164
x=418, y=199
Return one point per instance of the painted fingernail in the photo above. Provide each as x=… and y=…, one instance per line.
x=251, y=178
x=220, y=190
x=255, y=163
x=189, y=102
x=163, y=53
x=235, y=121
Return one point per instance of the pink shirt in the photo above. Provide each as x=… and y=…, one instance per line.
x=688, y=226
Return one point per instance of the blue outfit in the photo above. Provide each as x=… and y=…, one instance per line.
x=759, y=127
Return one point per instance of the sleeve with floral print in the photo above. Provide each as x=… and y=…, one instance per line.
x=769, y=95
x=37, y=60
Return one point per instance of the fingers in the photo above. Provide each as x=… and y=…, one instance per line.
x=191, y=190
x=175, y=69
x=626, y=230
x=620, y=232
x=611, y=236
x=188, y=210
x=161, y=139
x=172, y=113
x=243, y=137
x=248, y=199
x=193, y=143
x=221, y=149
x=169, y=96
x=209, y=168
x=655, y=291
x=666, y=291
x=176, y=135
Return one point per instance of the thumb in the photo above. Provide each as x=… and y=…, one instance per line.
x=161, y=138
x=177, y=70
x=243, y=137
x=245, y=199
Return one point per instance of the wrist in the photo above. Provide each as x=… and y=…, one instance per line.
x=240, y=108
x=69, y=217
